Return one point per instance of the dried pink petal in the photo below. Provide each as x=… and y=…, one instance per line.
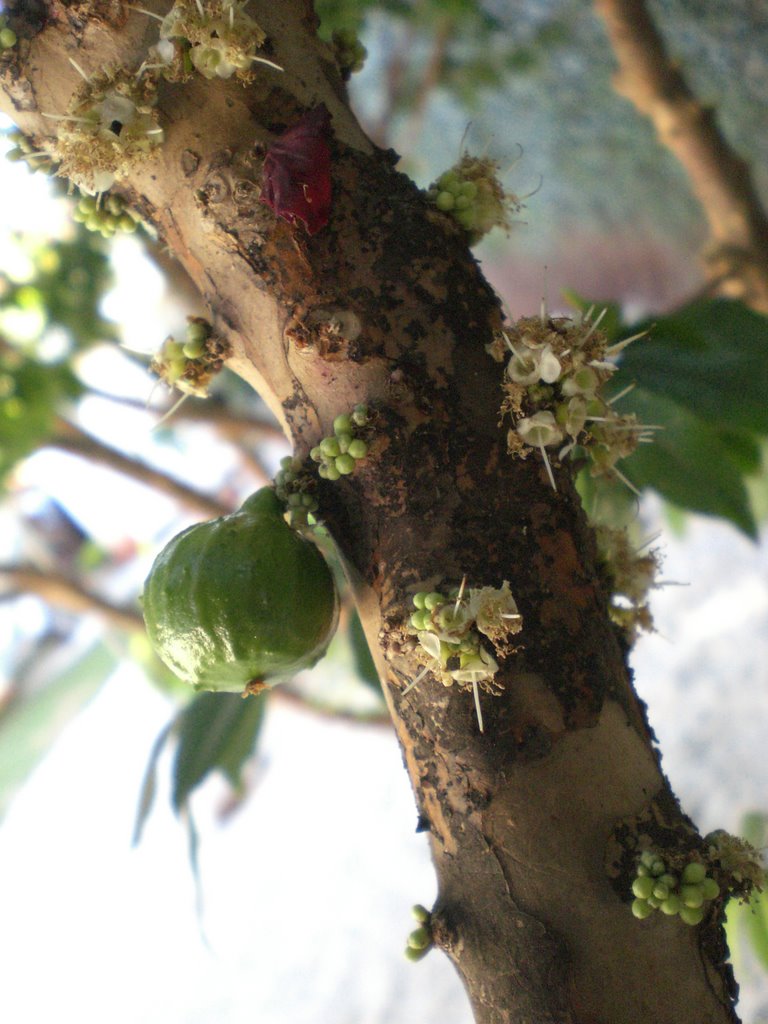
x=297, y=172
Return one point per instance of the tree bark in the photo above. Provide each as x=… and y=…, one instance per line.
x=534, y=822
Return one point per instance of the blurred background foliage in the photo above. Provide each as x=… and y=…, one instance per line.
x=606, y=208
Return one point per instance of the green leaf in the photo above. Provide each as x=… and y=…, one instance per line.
x=215, y=731
x=149, y=784
x=688, y=463
x=711, y=358
x=32, y=722
x=361, y=653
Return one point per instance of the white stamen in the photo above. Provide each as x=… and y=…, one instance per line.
x=418, y=679
x=549, y=468
x=77, y=68
x=625, y=481
x=269, y=63
x=613, y=349
x=594, y=326
x=476, y=693
x=142, y=10
x=200, y=8
x=621, y=394
x=459, y=596
x=170, y=412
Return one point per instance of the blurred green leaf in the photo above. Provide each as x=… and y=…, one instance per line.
x=215, y=731
x=31, y=723
x=687, y=462
x=361, y=653
x=711, y=358
x=750, y=920
x=149, y=784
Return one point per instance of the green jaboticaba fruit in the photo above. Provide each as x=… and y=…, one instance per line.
x=241, y=599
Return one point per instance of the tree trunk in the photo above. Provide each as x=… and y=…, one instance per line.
x=535, y=821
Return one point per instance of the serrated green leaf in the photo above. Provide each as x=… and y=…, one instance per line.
x=711, y=358
x=688, y=463
x=31, y=723
x=215, y=731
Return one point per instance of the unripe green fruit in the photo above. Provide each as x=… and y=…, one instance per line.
x=240, y=599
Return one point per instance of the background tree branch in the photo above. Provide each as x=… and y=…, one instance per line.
x=737, y=257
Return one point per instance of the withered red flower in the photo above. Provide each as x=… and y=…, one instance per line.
x=297, y=171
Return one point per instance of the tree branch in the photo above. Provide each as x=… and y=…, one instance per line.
x=69, y=438
x=738, y=255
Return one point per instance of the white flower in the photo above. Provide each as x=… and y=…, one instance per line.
x=495, y=611
x=540, y=430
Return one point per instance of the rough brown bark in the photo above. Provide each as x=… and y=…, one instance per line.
x=533, y=821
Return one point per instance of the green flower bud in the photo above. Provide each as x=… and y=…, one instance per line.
x=197, y=331
x=345, y=440
x=420, y=913
x=419, y=599
x=415, y=954
x=420, y=938
x=653, y=902
x=342, y=424
x=691, y=895
x=710, y=889
x=641, y=909
x=661, y=891
x=345, y=464
x=643, y=871
x=316, y=454
x=642, y=888
x=8, y=38
x=431, y=601
x=418, y=621
x=360, y=415
x=658, y=868
x=193, y=349
x=329, y=446
x=693, y=873
x=692, y=915
x=331, y=472
x=671, y=905
x=358, y=449
x=127, y=224
x=444, y=201
x=670, y=880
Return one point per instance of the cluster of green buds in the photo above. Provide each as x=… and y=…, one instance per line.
x=451, y=629
x=656, y=888
x=107, y=217
x=420, y=940
x=8, y=37
x=294, y=487
x=111, y=125
x=555, y=375
x=216, y=38
x=338, y=454
x=632, y=576
x=470, y=192
x=23, y=149
x=349, y=51
x=190, y=365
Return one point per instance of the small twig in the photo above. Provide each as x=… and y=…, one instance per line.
x=65, y=593
x=70, y=438
x=720, y=179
